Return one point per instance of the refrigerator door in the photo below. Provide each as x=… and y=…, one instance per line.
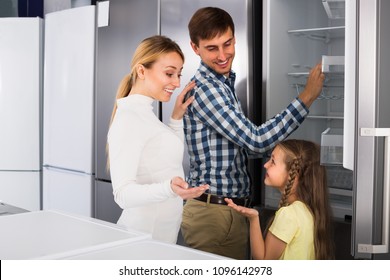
x=68, y=191
x=175, y=15
x=20, y=93
x=69, y=89
x=371, y=196
x=115, y=47
x=21, y=75
x=21, y=189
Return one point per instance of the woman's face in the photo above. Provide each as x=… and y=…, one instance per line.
x=276, y=172
x=164, y=76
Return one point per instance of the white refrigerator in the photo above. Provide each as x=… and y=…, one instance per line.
x=68, y=120
x=20, y=111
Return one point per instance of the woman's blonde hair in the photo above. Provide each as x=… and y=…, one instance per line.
x=146, y=54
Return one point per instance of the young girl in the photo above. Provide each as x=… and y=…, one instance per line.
x=301, y=226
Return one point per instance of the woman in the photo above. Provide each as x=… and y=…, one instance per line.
x=145, y=156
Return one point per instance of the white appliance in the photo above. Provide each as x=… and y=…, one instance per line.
x=51, y=234
x=146, y=249
x=350, y=119
x=68, y=120
x=20, y=111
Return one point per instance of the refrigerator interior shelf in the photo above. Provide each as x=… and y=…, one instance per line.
x=329, y=75
x=325, y=117
x=335, y=9
x=326, y=94
x=341, y=192
x=324, y=34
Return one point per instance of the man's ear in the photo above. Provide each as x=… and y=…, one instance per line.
x=195, y=47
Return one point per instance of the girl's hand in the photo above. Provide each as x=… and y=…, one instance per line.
x=247, y=212
x=181, y=188
x=180, y=107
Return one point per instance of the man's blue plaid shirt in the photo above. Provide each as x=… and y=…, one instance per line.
x=219, y=136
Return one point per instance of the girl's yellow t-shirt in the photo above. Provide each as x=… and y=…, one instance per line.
x=294, y=224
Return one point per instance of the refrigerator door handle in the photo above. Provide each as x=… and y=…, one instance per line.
x=384, y=247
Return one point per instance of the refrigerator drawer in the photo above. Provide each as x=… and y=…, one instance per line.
x=68, y=191
x=333, y=64
x=21, y=189
x=332, y=146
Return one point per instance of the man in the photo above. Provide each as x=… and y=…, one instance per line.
x=219, y=137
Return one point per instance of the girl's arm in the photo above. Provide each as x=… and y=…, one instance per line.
x=256, y=239
x=270, y=249
x=275, y=247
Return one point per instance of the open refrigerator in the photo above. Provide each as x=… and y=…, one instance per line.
x=297, y=40
x=349, y=38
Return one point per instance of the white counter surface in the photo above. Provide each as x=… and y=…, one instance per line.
x=147, y=250
x=53, y=235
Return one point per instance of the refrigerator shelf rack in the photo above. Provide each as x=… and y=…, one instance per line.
x=326, y=94
x=327, y=117
x=341, y=192
x=325, y=34
x=329, y=75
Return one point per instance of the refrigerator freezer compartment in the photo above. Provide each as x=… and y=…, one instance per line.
x=332, y=64
x=332, y=146
x=335, y=9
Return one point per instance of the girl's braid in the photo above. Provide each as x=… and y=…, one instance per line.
x=294, y=170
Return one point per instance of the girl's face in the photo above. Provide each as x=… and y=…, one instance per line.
x=164, y=76
x=276, y=171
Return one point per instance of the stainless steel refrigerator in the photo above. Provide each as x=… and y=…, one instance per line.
x=130, y=21
x=350, y=119
x=175, y=15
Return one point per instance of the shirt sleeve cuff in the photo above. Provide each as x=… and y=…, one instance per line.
x=298, y=103
x=176, y=123
x=170, y=192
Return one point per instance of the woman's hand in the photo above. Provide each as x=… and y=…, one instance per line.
x=247, y=212
x=181, y=188
x=181, y=106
